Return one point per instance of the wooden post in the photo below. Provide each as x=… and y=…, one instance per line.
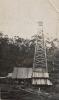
x=0, y=93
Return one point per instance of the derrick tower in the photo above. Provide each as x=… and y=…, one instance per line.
x=40, y=60
x=40, y=71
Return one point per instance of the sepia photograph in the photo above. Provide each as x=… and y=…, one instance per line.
x=29, y=49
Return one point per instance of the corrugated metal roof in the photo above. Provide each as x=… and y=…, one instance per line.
x=40, y=75
x=41, y=82
x=22, y=73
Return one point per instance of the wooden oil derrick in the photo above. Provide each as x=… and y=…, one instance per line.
x=40, y=51
x=40, y=71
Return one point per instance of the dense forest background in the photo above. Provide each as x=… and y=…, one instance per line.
x=19, y=52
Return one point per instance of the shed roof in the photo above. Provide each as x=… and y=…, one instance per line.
x=22, y=73
x=41, y=82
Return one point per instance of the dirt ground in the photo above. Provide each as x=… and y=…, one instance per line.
x=9, y=93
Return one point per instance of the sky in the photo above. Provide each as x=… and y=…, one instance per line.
x=20, y=17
